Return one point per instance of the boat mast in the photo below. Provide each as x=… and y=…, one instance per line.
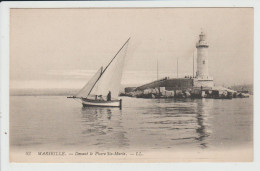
x=108, y=65
x=193, y=66
x=157, y=68
x=116, y=55
x=177, y=68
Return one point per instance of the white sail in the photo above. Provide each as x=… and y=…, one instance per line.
x=111, y=77
x=87, y=88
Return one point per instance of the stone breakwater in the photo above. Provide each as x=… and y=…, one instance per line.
x=161, y=92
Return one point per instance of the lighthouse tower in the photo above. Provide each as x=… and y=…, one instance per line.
x=202, y=73
x=202, y=57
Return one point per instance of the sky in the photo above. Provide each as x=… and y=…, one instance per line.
x=63, y=48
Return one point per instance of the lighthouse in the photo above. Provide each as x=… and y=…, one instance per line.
x=202, y=57
x=202, y=74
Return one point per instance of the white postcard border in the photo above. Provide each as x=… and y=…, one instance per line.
x=4, y=51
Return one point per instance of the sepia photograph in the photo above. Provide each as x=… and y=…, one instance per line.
x=131, y=85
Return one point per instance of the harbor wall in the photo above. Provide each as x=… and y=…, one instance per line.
x=170, y=84
x=129, y=89
x=205, y=83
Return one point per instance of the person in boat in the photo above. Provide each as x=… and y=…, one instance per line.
x=100, y=98
x=109, y=96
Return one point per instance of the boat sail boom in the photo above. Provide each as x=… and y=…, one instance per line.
x=118, y=53
x=111, y=76
x=104, y=82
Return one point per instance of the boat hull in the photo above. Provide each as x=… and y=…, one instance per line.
x=97, y=103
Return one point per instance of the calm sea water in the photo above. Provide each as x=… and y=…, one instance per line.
x=57, y=122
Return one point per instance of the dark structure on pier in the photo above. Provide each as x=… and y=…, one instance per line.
x=170, y=84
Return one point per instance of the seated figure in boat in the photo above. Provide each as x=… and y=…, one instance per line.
x=109, y=96
x=99, y=97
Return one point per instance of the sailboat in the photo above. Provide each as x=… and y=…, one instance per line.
x=103, y=88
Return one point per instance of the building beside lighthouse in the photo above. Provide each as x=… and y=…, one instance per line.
x=202, y=80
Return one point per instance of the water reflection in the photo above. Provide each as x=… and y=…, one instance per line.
x=201, y=116
x=103, y=127
x=181, y=121
x=164, y=124
x=109, y=114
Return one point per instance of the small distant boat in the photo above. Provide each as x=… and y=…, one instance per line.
x=103, y=88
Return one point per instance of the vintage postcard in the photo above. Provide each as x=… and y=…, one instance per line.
x=131, y=85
